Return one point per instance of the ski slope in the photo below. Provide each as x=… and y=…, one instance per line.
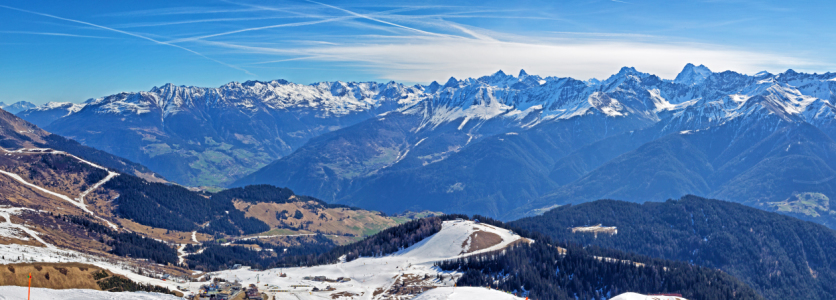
x=378, y=274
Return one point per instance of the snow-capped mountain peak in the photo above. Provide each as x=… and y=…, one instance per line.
x=16, y=107
x=692, y=75
x=525, y=100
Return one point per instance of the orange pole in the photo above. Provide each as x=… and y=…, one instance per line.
x=29, y=292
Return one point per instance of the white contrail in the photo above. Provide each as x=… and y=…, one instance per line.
x=55, y=34
x=379, y=20
x=128, y=33
x=261, y=28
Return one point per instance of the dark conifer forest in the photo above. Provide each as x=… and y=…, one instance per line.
x=780, y=257
x=126, y=244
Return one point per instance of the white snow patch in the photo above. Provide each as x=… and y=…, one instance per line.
x=9, y=229
x=16, y=253
x=661, y=103
x=636, y=296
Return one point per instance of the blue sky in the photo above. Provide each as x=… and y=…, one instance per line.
x=75, y=50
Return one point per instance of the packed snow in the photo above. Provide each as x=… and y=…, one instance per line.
x=15, y=231
x=21, y=293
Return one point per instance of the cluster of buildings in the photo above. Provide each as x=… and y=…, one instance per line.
x=326, y=279
x=222, y=290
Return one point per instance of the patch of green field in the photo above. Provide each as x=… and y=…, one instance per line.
x=401, y=220
x=810, y=204
x=280, y=231
x=156, y=149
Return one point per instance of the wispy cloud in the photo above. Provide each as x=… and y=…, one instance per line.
x=295, y=24
x=369, y=17
x=155, y=24
x=55, y=34
x=127, y=33
x=422, y=59
x=178, y=11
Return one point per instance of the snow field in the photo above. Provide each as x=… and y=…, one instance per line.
x=20, y=293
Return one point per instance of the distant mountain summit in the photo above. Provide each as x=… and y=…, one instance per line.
x=692, y=75
x=17, y=106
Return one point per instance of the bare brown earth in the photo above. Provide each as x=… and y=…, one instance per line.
x=408, y=285
x=481, y=240
x=50, y=275
x=171, y=236
x=336, y=221
x=343, y=294
x=16, y=132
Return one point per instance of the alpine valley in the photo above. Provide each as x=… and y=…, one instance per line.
x=501, y=145
x=85, y=222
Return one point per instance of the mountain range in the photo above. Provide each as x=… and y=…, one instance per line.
x=17, y=106
x=62, y=208
x=501, y=145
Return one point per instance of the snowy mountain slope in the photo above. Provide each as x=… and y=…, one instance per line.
x=500, y=124
x=207, y=136
x=44, y=114
x=375, y=277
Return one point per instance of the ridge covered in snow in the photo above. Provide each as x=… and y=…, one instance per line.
x=527, y=99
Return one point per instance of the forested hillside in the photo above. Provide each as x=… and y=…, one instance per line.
x=542, y=272
x=545, y=269
x=779, y=256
